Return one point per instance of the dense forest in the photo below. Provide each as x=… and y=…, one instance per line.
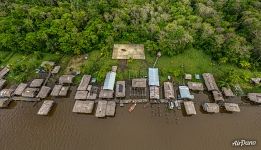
x=227, y=30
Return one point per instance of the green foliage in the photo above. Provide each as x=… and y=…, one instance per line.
x=229, y=31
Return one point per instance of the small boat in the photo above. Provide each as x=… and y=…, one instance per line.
x=171, y=105
x=132, y=107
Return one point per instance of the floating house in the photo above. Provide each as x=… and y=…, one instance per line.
x=154, y=92
x=110, y=108
x=109, y=81
x=84, y=83
x=108, y=86
x=81, y=95
x=232, y=107
x=64, y=91
x=3, y=72
x=154, y=83
x=2, y=83
x=210, y=82
x=101, y=109
x=120, y=89
x=195, y=86
x=185, y=93
x=211, y=107
x=169, y=90
x=153, y=77
x=190, y=108
x=254, y=97
x=44, y=92
x=218, y=97
x=36, y=83
x=128, y=51
x=227, y=92
x=6, y=93
x=20, y=88
x=66, y=79
x=138, y=87
x=46, y=107
x=85, y=107
x=30, y=92
x=56, y=90
x=56, y=69
x=4, y=102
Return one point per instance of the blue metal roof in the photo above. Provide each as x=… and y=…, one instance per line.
x=109, y=81
x=184, y=93
x=154, y=76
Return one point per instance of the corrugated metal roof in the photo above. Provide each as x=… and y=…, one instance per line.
x=184, y=92
x=109, y=81
x=154, y=76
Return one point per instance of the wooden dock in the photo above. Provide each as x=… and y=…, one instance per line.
x=83, y=107
x=110, y=109
x=45, y=108
x=101, y=109
x=28, y=99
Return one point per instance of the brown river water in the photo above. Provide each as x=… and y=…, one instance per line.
x=152, y=128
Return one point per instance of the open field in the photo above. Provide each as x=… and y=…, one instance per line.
x=23, y=67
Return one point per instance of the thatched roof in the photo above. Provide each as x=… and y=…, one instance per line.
x=84, y=83
x=83, y=107
x=46, y=107
x=211, y=107
x=120, y=89
x=30, y=92
x=56, y=69
x=66, y=79
x=2, y=83
x=64, y=91
x=20, y=88
x=254, y=97
x=190, y=108
x=217, y=96
x=232, y=107
x=169, y=90
x=227, y=92
x=210, y=82
x=36, y=83
x=139, y=83
x=4, y=102
x=127, y=51
x=154, y=92
x=6, y=92
x=196, y=86
x=81, y=95
x=44, y=92
x=56, y=90
x=3, y=72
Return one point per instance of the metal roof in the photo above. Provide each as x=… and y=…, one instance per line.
x=154, y=76
x=109, y=81
x=184, y=92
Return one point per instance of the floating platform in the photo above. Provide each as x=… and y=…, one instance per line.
x=28, y=99
x=45, y=108
x=110, y=109
x=83, y=107
x=190, y=108
x=81, y=95
x=20, y=88
x=4, y=102
x=101, y=109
